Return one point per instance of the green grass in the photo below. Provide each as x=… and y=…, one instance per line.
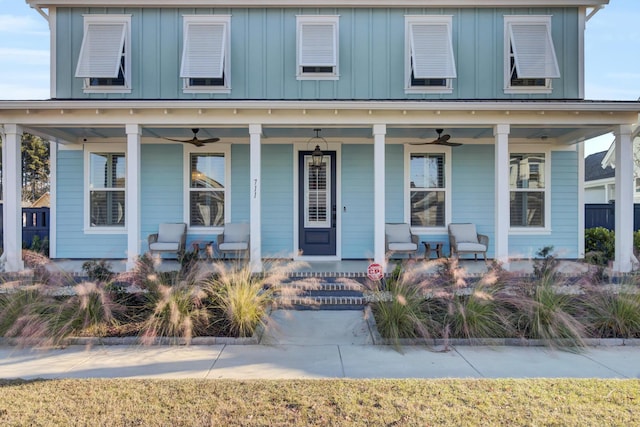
x=584, y=402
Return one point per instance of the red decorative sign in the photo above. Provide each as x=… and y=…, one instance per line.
x=375, y=271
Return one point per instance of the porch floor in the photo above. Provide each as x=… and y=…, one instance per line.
x=354, y=268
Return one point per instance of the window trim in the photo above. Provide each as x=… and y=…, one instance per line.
x=334, y=21
x=411, y=20
x=225, y=20
x=528, y=149
x=216, y=148
x=509, y=20
x=424, y=149
x=88, y=149
x=92, y=19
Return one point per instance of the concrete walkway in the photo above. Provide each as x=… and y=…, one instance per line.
x=316, y=344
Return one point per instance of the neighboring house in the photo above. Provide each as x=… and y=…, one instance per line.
x=601, y=189
x=505, y=79
x=599, y=182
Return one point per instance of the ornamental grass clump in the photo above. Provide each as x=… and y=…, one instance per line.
x=613, y=313
x=477, y=310
x=406, y=312
x=242, y=298
x=176, y=303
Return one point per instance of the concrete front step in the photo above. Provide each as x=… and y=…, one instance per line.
x=325, y=294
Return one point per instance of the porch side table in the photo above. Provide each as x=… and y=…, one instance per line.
x=206, y=248
x=432, y=246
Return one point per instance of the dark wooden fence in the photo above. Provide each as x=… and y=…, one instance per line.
x=604, y=215
x=35, y=222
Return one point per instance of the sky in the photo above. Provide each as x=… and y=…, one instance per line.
x=612, y=55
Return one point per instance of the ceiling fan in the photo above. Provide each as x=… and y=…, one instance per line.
x=440, y=140
x=195, y=141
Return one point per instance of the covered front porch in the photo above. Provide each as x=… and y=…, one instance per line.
x=264, y=145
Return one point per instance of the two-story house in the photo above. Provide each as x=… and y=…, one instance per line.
x=424, y=112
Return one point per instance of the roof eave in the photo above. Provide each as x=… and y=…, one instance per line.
x=319, y=3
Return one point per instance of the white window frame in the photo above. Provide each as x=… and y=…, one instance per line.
x=215, y=148
x=530, y=149
x=310, y=20
x=543, y=20
x=214, y=20
x=446, y=151
x=101, y=148
x=435, y=20
x=90, y=20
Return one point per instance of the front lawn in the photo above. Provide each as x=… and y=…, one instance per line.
x=585, y=402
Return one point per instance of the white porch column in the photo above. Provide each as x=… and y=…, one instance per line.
x=379, y=215
x=502, y=220
x=624, y=200
x=132, y=206
x=255, y=226
x=12, y=179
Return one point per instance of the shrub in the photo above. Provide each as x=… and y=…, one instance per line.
x=602, y=241
x=99, y=271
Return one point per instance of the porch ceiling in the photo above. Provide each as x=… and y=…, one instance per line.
x=395, y=134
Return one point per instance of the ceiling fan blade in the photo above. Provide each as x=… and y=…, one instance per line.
x=208, y=140
x=178, y=140
x=443, y=138
x=448, y=144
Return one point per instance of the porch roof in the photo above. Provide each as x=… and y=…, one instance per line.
x=557, y=122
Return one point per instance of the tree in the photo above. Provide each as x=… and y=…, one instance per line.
x=35, y=167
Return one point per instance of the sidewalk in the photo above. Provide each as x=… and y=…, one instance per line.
x=317, y=344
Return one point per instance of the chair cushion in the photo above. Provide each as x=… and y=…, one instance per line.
x=397, y=247
x=170, y=232
x=398, y=233
x=164, y=246
x=236, y=233
x=235, y=246
x=464, y=233
x=471, y=247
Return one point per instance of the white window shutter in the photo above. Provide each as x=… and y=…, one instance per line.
x=203, y=51
x=101, y=50
x=318, y=44
x=533, y=51
x=432, y=51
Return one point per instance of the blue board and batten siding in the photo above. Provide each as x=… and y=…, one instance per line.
x=371, y=53
x=162, y=199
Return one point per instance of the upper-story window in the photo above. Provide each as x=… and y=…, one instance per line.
x=317, y=47
x=429, y=60
x=205, y=53
x=105, y=54
x=530, y=58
